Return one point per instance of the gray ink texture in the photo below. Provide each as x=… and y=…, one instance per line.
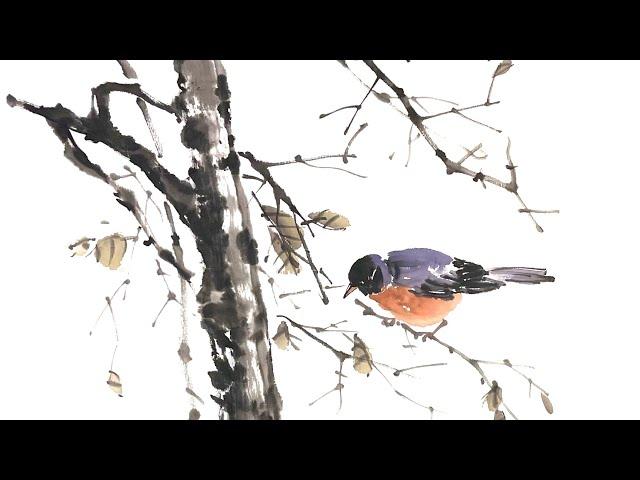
x=211, y=203
x=236, y=322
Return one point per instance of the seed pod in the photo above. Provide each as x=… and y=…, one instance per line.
x=547, y=403
x=110, y=250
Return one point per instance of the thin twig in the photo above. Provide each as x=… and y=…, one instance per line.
x=507, y=363
x=451, y=167
x=529, y=210
x=390, y=321
x=281, y=196
x=64, y=121
x=323, y=115
x=458, y=110
x=288, y=294
x=129, y=72
x=342, y=356
x=346, y=154
x=469, y=153
x=298, y=159
x=125, y=282
x=398, y=372
x=360, y=106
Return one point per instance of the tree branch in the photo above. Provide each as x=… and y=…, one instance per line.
x=342, y=356
x=390, y=321
x=129, y=72
x=126, y=198
x=451, y=166
x=98, y=128
x=281, y=196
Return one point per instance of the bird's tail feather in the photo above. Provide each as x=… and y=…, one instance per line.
x=521, y=275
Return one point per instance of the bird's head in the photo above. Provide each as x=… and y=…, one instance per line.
x=368, y=274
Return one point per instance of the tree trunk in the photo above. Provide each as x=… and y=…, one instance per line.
x=230, y=299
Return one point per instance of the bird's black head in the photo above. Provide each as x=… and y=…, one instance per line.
x=367, y=274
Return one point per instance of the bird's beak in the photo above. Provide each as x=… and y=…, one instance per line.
x=350, y=290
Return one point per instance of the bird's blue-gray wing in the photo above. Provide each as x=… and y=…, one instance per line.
x=433, y=274
x=410, y=268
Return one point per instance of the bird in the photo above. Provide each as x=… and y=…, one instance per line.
x=421, y=286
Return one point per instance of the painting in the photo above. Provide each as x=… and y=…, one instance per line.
x=257, y=240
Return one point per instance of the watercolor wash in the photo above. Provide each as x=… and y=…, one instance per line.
x=215, y=200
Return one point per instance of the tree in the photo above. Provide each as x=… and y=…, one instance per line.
x=213, y=205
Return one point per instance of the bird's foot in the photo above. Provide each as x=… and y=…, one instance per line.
x=389, y=322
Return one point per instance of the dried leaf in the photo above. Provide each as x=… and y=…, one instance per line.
x=114, y=382
x=184, y=353
x=362, y=360
x=110, y=250
x=499, y=415
x=285, y=254
x=494, y=397
x=330, y=220
x=503, y=68
x=286, y=226
x=81, y=247
x=384, y=97
x=194, y=414
x=282, y=338
x=547, y=403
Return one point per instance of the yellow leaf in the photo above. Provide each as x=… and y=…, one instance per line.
x=286, y=226
x=330, y=220
x=362, y=361
x=110, y=250
x=285, y=254
x=282, y=338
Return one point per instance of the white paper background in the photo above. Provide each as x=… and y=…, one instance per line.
x=573, y=129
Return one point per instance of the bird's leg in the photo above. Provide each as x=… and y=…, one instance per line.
x=424, y=335
x=389, y=322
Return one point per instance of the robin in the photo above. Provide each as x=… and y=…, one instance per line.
x=420, y=286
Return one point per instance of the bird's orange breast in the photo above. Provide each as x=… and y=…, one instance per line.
x=413, y=309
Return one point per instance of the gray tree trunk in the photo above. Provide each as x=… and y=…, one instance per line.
x=230, y=298
x=216, y=212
